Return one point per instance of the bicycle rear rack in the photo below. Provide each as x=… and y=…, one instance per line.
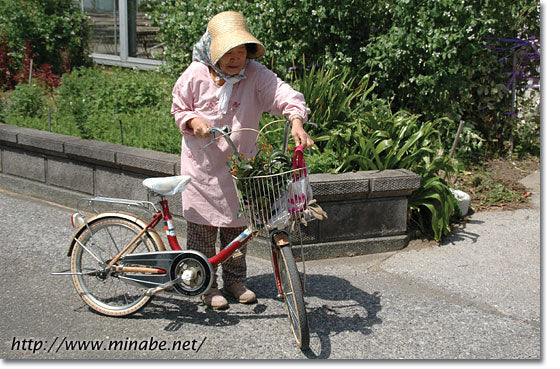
x=90, y=202
x=98, y=204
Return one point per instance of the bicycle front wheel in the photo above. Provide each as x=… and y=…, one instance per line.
x=98, y=244
x=292, y=291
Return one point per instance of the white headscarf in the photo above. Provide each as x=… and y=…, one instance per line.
x=201, y=53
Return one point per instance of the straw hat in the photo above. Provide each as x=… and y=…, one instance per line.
x=228, y=30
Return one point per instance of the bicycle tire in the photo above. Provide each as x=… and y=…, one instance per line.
x=106, y=293
x=292, y=291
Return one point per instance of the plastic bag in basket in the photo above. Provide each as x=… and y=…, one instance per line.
x=300, y=192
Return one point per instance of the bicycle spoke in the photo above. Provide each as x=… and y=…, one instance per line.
x=85, y=248
x=104, y=291
x=292, y=310
x=113, y=242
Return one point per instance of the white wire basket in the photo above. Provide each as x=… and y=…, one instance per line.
x=269, y=201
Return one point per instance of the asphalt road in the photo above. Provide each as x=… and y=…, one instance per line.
x=476, y=296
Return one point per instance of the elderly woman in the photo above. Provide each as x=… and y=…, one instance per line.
x=224, y=85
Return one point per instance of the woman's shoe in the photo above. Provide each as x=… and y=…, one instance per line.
x=241, y=293
x=214, y=299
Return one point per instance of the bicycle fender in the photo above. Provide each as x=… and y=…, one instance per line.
x=128, y=216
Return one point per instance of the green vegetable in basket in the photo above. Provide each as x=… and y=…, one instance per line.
x=258, y=180
x=267, y=161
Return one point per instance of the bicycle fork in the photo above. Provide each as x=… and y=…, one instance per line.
x=278, y=238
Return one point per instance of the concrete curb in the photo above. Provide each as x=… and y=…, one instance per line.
x=367, y=210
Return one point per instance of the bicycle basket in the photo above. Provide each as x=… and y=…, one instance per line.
x=270, y=200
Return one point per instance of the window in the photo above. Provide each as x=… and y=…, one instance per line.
x=122, y=34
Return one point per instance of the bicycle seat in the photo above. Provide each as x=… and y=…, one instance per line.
x=167, y=185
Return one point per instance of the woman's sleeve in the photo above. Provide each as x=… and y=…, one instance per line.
x=182, y=107
x=278, y=97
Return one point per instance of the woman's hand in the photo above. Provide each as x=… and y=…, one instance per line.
x=199, y=126
x=298, y=133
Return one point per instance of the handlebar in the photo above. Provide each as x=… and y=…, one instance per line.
x=226, y=131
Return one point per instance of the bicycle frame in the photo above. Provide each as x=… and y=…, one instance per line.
x=165, y=214
x=216, y=260
x=222, y=256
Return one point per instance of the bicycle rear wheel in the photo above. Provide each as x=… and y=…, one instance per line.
x=105, y=292
x=292, y=291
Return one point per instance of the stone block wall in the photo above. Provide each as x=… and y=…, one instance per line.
x=367, y=210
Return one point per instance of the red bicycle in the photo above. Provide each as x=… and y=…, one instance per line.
x=118, y=261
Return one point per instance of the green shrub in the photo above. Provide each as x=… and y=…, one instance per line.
x=56, y=30
x=380, y=140
x=26, y=101
x=121, y=90
x=432, y=57
x=433, y=207
x=83, y=88
x=326, y=34
x=3, y=108
x=100, y=100
x=322, y=162
x=527, y=138
x=526, y=133
x=151, y=129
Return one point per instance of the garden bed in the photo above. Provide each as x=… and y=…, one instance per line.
x=495, y=184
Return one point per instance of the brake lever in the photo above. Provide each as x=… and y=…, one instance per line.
x=224, y=131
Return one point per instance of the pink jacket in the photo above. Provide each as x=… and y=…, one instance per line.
x=210, y=198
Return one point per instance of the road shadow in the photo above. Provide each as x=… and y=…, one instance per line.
x=459, y=233
x=333, y=305
x=337, y=306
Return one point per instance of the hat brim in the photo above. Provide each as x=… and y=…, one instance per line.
x=221, y=46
